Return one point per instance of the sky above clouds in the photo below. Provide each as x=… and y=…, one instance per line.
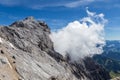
x=57, y=13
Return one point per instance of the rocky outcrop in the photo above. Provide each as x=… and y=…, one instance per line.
x=117, y=78
x=27, y=53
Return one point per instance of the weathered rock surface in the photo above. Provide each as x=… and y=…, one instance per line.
x=117, y=78
x=27, y=53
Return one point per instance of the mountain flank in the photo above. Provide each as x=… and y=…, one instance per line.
x=27, y=53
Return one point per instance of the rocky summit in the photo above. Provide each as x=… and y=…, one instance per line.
x=27, y=53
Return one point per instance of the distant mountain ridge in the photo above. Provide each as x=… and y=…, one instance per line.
x=110, y=59
x=112, y=49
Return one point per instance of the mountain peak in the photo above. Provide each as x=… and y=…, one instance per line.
x=31, y=18
x=25, y=22
x=31, y=23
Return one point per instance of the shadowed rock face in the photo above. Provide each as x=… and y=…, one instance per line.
x=27, y=53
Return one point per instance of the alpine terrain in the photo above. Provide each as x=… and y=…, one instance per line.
x=27, y=53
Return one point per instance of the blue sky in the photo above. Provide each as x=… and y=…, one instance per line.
x=57, y=13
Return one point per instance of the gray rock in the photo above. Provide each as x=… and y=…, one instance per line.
x=117, y=78
x=34, y=56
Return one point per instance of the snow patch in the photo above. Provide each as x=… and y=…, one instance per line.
x=112, y=45
x=12, y=45
x=1, y=40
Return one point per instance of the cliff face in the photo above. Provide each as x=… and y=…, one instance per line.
x=27, y=53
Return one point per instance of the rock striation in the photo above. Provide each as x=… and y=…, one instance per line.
x=27, y=53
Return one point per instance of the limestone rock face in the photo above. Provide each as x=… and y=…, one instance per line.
x=27, y=53
x=117, y=78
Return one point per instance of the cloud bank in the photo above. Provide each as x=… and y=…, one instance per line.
x=81, y=38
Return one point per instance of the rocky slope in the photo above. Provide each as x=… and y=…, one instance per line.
x=27, y=53
x=117, y=78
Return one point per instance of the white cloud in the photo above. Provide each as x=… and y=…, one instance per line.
x=3, y=14
x=54, y=23
x=78, y=3
x=41, y=4
x=69, y=4
x=113, y=28
x=9, y=2
x=55, y=3
x=81, y=38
